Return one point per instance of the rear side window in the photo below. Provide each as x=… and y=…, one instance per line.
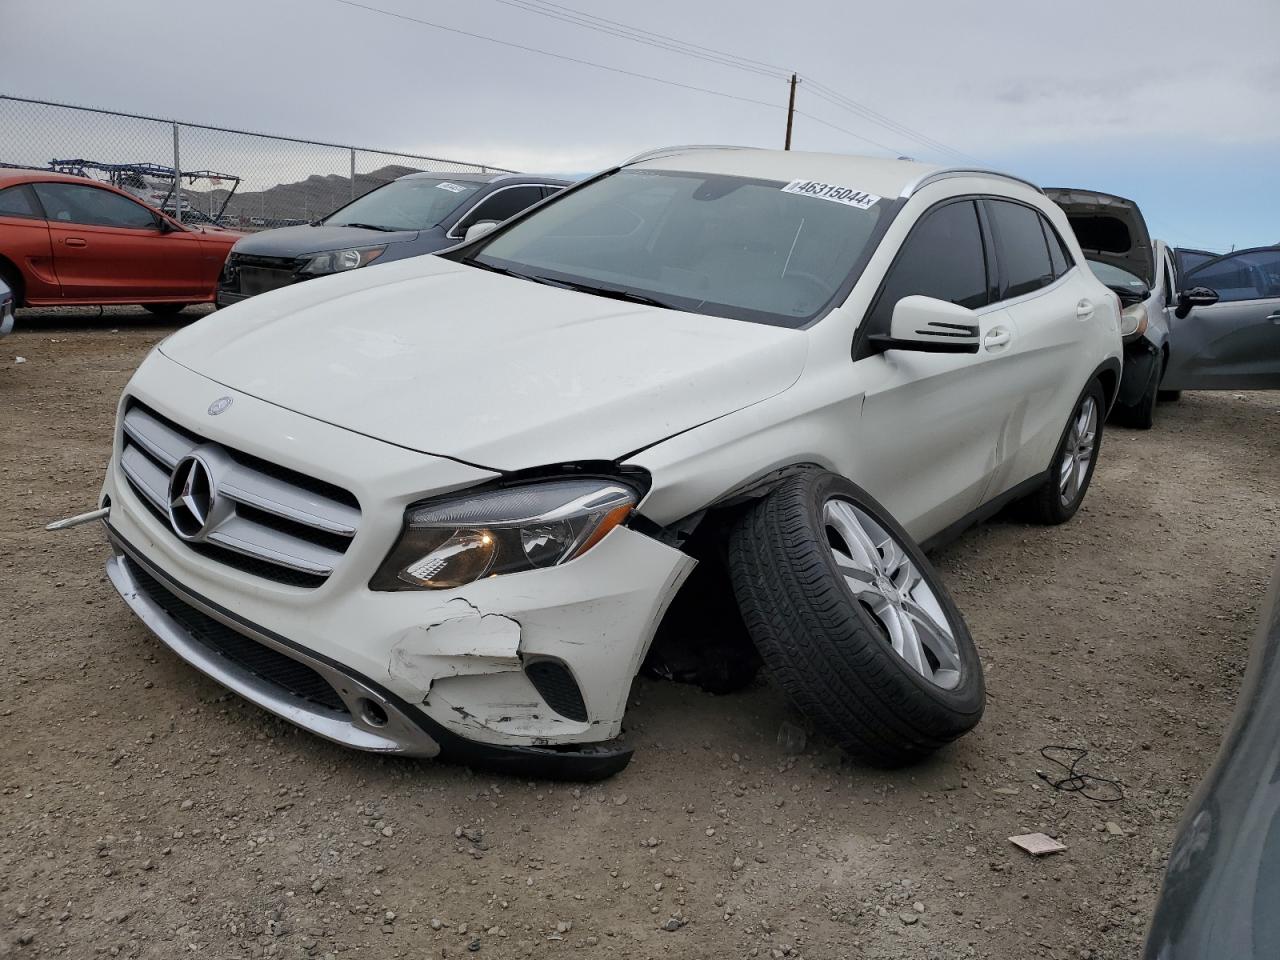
x=942, y=257
x=18, y=202
x=1024, y=251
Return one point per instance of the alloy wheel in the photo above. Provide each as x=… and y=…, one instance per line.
x=1077, y=457
x=891, y=588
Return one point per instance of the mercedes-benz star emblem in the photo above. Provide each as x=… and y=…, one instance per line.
x=191, y=497
x=219, y=405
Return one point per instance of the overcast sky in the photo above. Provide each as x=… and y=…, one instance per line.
x=1174, y=104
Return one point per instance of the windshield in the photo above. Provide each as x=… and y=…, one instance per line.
x=417, y=203
x=1114, y=277
x=705, y=243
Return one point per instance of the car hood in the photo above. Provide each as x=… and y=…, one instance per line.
x=1110, y=229
x=219, y=235
x=504, y=373
x=306, y=239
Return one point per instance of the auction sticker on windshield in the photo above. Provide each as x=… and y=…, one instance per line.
x=451, y=187
x=833, y=192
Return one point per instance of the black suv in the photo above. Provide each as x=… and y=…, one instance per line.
x=416, y=214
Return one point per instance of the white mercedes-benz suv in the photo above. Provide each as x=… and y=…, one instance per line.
x=441, y=508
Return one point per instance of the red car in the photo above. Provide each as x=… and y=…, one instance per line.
x=67, y=241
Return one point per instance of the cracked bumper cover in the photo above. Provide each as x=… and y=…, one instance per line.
x=449, y=662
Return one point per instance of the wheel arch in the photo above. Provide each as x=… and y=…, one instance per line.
x=1108, y=373
x=13, y=276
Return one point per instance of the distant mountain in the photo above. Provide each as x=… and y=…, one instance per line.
x=309, y=199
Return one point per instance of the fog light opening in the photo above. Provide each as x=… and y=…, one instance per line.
x=373, y=713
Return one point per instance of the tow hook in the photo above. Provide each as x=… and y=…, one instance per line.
x=68, y=522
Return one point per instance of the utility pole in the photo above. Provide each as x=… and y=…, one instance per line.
x=791, y=112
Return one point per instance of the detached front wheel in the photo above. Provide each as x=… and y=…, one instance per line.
x=852, y=621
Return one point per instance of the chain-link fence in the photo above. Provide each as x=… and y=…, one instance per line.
x=199, y=173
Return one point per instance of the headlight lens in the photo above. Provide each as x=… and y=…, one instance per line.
x=457, y=540
x=1133, y=321
x=337, y=261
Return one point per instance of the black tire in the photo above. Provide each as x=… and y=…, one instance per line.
x=165, y=309
x=1142, y=415
x=1047, y=504
x=829, y=655
x=1169, y=396
x=13, y=280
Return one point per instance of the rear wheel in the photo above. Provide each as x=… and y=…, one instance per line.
x=165, y=309
x=1060, y=496
x=852, y=621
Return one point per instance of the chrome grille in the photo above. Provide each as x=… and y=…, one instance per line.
x=262, y=518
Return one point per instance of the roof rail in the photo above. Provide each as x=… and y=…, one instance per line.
x=679, y=148
x=947, y=172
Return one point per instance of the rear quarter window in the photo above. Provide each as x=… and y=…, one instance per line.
x=19, y=202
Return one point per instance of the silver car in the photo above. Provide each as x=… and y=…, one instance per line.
x=1192, y=320
x=6, y=309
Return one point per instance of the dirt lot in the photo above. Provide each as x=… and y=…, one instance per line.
x=145, y=813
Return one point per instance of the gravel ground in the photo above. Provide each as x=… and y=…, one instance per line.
x=146, y=813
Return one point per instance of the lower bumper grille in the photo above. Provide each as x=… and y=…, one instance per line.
x=269, y=665
x=555, y=683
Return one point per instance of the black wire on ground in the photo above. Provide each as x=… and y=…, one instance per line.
x=1085, y=784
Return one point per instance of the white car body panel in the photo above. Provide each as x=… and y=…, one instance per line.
x=416, y=644
x=426, y=376
x=448, y=359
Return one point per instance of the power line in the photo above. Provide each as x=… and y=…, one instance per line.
x=558, y=56
x=554, y=9
x=660, y=41
x=833, y=96
x=827, y=123
x=616, y=28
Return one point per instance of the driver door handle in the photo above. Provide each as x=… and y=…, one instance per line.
x=1275, y=317
x=1084, y=309
x=996, y=337
x=75, y=242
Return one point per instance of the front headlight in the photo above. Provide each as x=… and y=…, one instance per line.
x=1133, y=321
x=336, y=261
x=457, y=540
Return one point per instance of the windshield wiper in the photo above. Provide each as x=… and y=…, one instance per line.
x=613, y=293
x=370, y=226
x=493, y=268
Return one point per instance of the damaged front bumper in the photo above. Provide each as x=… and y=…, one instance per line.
x=528, y=671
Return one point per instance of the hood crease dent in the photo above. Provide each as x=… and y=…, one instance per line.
x=491, y=371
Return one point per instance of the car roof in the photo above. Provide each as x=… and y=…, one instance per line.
x=513, y=178
x=877, y=175
x=9, y=177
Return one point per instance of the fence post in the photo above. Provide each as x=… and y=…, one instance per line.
x=353, y=173
x=177, y=178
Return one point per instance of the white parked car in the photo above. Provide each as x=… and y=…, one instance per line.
x=442, y=506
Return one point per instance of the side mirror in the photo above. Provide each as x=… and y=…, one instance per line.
x=478, y=230
x=927, y=325
x=1195, y=297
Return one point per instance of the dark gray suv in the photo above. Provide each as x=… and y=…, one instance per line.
x=416, y=214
